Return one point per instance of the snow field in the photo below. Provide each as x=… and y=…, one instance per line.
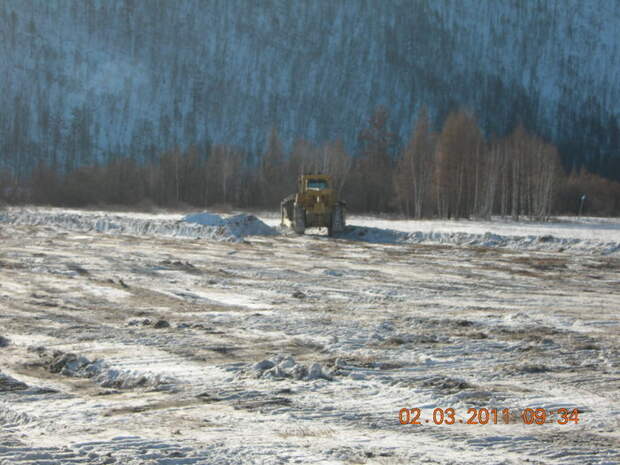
x=283, y=349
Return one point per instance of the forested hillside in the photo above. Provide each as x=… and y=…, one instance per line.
x=88, y=80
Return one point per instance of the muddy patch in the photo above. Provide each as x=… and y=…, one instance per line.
x=537, y=334
x=8, y=384
x=540, y=263
x=178, y=265
x=446, y=385
x=412, y=339
x=262, y=405
x=528, y=369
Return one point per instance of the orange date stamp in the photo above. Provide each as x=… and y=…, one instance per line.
x=484, y=416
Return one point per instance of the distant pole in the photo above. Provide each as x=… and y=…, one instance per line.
x=582, y=199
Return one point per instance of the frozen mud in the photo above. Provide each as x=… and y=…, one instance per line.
x=8, y=383
x=285, y=366
x=150, y=349
x=70, y=364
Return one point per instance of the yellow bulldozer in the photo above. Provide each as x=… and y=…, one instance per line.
x=315, y=205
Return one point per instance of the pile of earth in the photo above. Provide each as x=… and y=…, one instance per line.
x=285, y=366
x=74, y=365
x=8, y=383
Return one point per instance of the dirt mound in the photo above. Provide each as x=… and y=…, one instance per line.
x=74, y=365
x=7, y=383
x=283, y=366
x=447, y=384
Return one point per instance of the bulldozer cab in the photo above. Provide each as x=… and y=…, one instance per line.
x=314, y=182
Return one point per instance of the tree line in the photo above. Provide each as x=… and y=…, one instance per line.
x=455, y=172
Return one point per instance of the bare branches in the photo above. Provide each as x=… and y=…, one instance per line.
x=453, y=174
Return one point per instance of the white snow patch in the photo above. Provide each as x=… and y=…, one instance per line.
x=584, y=234
x=235, y=300
x=205, y=219
x=238, y=225
x=603, y=239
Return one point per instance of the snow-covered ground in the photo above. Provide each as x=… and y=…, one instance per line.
x=592, y=229
x=580, y=235
x=146, y=339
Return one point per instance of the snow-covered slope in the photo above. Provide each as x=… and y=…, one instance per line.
x=85, y=79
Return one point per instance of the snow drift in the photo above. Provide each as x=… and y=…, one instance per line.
x=198, y=226
x=236, y=226
x=488, y=239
